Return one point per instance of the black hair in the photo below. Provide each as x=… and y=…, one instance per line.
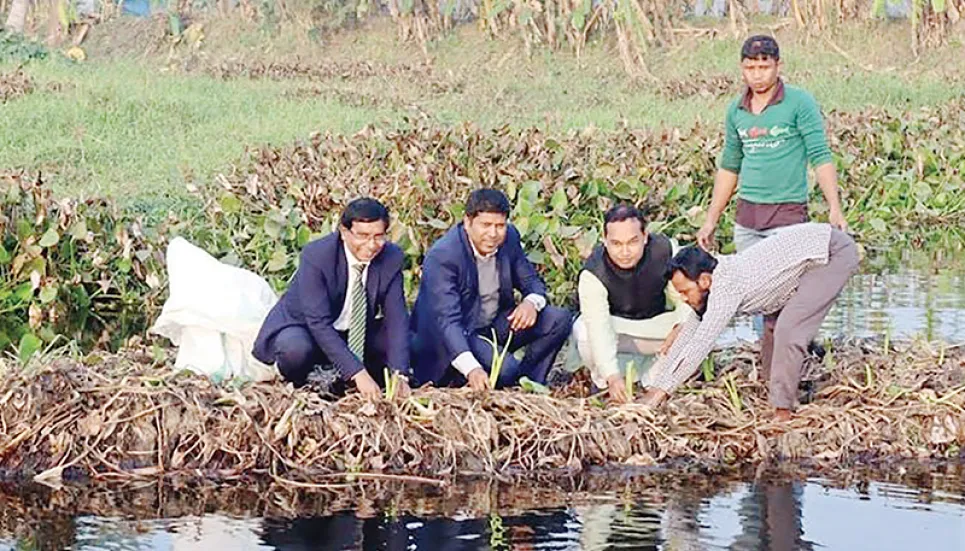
x=760, y=46
x=622, y=212
x=487, y=200
x=364, y=209
x=692, y=261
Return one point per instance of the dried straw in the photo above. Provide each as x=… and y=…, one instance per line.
x=121, y=418
x=14, y=84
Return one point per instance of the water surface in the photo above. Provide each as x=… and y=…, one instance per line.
x=903, y=296
x=689, y=514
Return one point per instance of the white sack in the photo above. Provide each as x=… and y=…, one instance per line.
x=213, y=314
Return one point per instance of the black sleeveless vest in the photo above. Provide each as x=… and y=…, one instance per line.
x=638, y=293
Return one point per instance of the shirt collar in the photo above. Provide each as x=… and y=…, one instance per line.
x=477, y=254
x=778, y=97
x=352, y=261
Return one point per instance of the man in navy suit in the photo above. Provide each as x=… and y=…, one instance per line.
x=345, y=307
x=468, y=279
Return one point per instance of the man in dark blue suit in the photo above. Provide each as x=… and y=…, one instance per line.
x=468, y=279
x=345, y=307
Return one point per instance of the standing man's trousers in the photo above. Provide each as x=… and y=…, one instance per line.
x=785, y=348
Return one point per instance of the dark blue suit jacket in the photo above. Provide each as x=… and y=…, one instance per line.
x=449, y=304
x=316, y=297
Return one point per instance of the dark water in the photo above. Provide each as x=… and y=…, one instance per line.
x=689, y=514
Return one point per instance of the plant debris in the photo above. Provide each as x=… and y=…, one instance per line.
x=15, y=84
x=699, y=84
x=110, y=417
x=316, y=71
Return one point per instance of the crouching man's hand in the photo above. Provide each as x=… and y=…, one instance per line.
x=616, y=388
x=367, y=385
x=478, y=379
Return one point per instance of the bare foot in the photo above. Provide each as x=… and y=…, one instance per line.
x=654, y=397
x=782, y=415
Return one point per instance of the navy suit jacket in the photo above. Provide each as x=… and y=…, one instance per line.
x=316, y=297
x=449, y=304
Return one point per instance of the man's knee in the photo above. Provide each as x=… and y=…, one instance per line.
x=579, y=331
x=581, y=340
x=789, y=338
x=293, y=355
x=558, y=321
x=847, y=250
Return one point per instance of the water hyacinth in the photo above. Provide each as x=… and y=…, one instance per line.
x=82, y=270
x=92, y=271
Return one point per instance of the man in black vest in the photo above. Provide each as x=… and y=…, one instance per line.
x=627, y=304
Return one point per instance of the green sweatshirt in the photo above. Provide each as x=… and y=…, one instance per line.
x=770, y=151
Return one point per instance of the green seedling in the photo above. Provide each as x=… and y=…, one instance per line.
x=733, y=393
x=529, y=385
x=391, y=383
x=498, y=356
x=707, y=368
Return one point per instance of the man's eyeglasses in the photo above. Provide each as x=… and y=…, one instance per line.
x=378, y=239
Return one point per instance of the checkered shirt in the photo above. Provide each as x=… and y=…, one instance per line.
x=759, y=280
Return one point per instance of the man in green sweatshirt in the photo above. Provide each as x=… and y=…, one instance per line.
x=772, y=132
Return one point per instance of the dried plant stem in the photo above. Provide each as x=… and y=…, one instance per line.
x=61, y=417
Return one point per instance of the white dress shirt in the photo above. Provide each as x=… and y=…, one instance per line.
x=345, y=318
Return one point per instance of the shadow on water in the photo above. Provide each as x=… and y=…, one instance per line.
x=667, y=510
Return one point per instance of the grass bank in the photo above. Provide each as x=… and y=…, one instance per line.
x=140, y=126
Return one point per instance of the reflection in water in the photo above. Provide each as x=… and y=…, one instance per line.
x=903, y=302
x=771, y=519
x=344, y=531
x=767, y=515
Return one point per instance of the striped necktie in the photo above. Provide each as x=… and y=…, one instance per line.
x=356, y=329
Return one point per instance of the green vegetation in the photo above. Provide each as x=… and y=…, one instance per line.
x=94, y=273
x=15, y=48
x=126, y=131
x=247, y=148
x=135, y=128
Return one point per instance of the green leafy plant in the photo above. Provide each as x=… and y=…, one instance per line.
x=81, y=269
x=16, y=48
